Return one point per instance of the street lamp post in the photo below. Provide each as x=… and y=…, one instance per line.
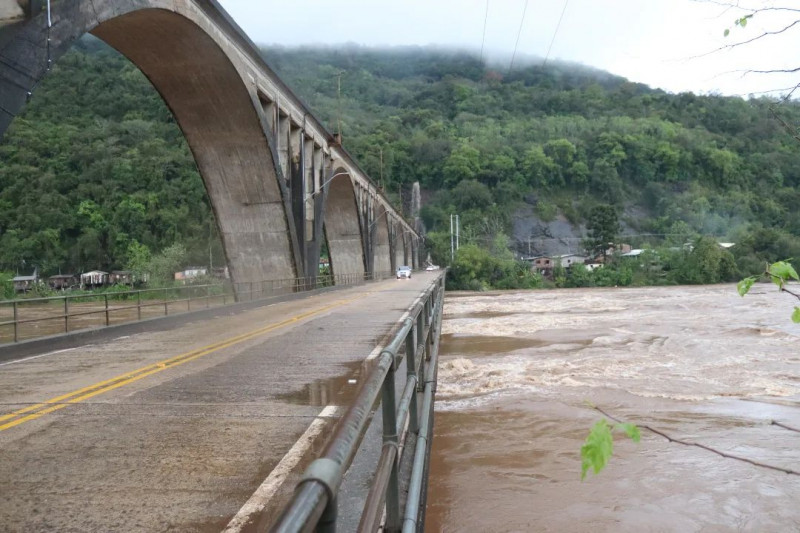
x=322, y=185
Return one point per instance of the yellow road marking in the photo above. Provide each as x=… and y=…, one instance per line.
x=77, y=396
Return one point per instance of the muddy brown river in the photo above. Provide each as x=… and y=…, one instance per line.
x=519, y=374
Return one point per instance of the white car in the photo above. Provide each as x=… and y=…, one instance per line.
x=404, y=272
x=432, y=267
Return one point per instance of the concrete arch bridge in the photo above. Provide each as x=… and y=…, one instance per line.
x=279, y=183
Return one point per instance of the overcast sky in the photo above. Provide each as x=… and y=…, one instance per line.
x=657, y=42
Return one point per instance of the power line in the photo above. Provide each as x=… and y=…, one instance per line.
x=566, y=2
x=485, y=19
x=519, y=32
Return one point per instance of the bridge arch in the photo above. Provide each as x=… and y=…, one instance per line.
x=342, y=227
x=204, y=83
x=398, y=244
x=382, y=249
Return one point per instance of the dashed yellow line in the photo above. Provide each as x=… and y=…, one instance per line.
x=38, y=410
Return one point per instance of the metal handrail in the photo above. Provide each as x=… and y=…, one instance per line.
x=313, y=505
x=252, y=290
x=240, y=292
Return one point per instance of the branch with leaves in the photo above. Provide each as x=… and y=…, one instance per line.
x=598, y=447
x=746, y=13
x=600, y=450
x=780, y=273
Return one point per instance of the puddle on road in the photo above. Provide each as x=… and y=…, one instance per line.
x=335, y=390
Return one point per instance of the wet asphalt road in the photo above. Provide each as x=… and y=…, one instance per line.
x=175, y=430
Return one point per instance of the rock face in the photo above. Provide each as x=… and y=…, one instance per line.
x=533, y=236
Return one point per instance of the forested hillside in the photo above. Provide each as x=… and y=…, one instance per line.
x=96, y=166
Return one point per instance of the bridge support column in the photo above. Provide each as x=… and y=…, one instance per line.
x=367, y=233
x=313, y=245
x=393, y=246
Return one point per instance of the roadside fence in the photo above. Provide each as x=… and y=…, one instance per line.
x=27, y=318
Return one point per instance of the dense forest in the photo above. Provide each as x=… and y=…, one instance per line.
x=95, y=171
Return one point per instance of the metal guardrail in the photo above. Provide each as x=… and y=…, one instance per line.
x=254, y=290
x=314, y=505
x=63, y=314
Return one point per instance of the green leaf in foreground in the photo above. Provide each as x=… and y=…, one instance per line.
x=796, y=315
x=599, y=445
x=597, y=448
x=744, y=286
x=631, y=431
x=783, y=270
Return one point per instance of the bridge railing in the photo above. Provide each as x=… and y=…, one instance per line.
x=254, y=290
x=28, y=318
x=314, y=505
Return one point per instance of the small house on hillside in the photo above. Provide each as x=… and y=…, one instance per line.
x=567, y=260
x=636, y=252
x=59, y=282
x=221, y=273
x=190, y=273
x=542, y=264
x=94, y=279
x=25, y=283
x=121, y=277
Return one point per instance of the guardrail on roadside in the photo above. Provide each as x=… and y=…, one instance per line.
x=313, y=505
x=28, y=318
x=254, y=290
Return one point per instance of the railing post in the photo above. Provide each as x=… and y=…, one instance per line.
x=105, y=297
x=411, y=367
x=166, y=298
x=424, y=354
x=66, y=314
x=327, y=521
x=208, y=295
x=16, y=322
x=389, y=404
x=138, y=305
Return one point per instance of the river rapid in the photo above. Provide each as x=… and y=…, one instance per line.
x=520, y=371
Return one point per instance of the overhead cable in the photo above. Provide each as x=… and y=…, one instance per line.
x=485, y=19
x=519, y=32
x=566, y=2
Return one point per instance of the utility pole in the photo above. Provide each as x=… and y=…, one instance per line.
x=457, y=231
x=452, y=249
x=339, y=103
x=382, y=184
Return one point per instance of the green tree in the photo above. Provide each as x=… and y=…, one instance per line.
x=603, y=227
x=540, y=169
x=139, y=260
x=471, y=194
x=163, y=266
x=708, y=263
x=462, y=164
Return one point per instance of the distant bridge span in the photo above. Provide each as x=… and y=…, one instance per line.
x=279, y=183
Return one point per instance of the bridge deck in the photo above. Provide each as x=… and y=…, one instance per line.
x=176, y=430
